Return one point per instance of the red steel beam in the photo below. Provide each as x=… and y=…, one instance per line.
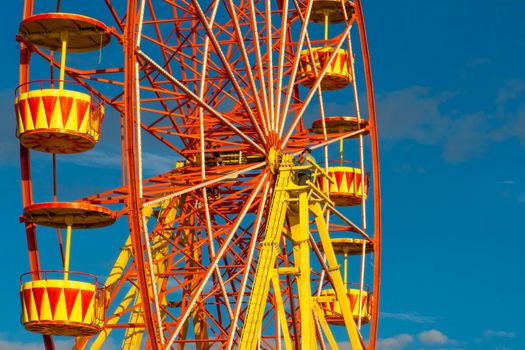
x=375, y=169
x=25, y=168
x=133, y=199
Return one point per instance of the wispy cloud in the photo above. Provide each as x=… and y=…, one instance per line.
x=406, y=168
x=422, y=115
x=152, y=164
x=507, y=182
x=412, y=113
x=499, y=334
x=408, y=316
x=395, y=343
x=434, y=337
x=478, y=61
x=511, y=90
x=8, y=140
x=466, y=137
x=95, y=158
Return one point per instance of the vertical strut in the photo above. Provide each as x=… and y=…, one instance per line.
x=375, y=169
x=63, y=54
x=340, y=288
x=25, y=168
x=134, y=203
x=266, y=263
x=301, y=251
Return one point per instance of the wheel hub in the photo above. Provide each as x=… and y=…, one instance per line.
x=274, y=159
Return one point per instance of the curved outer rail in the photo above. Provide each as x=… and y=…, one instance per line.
x=375, y=168
x=25, y=169
x=134, y=200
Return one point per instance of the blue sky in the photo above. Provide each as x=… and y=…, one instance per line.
x=450, y=90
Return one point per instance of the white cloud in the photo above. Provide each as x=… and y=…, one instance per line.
x=95, y=158
x=467, y=137
x=397, y=342
x=423, y=116
x=8, y=141
x=155, y=164
x=152, y=164
x=502, y=334
x=511, y=90
x=433, y=337
x=408, y=316
x=412, y=113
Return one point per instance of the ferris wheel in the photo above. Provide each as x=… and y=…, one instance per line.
x=264, y=233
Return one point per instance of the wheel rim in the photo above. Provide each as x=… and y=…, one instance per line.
x=201, y=91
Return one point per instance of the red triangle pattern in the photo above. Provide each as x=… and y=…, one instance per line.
x=34, y=103
x=23, y=105
x=71, y=297
x=82, y=106
x=353, y=300
x=338, y=179
x=364, y=301
x=16, y=113
x=333, y=66
x=27, y=298
x=49, y=107
x=342, y=61
x=322, y=59
x=357, y=183
x=349, y=180
x=65, y=105
x=86, y=297
x=53, y=294
x=38, y=293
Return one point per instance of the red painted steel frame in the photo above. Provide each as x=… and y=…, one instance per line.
x=172, y=116
x=25, y=167
x=133, y=201
x=375, y=167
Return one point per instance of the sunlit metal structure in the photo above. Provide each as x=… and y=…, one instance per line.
x=228, y=249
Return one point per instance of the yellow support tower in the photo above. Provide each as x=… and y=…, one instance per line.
x=133, y=336
x=268, y=255
x=295, y=203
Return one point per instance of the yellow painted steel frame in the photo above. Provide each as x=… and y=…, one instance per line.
x=295, y=203
x=133, y=336
x=199, y=322
x=267, y=256
x=340, y=289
